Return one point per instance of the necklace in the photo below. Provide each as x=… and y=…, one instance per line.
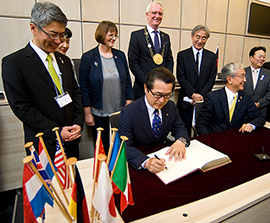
x=157, y=58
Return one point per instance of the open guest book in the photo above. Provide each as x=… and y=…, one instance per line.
x=198, y=157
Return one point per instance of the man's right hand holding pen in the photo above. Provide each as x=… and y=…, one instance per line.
x=155, y=165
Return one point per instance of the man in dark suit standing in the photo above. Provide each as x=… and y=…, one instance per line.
x=148, y=120
x=40, y=85
x=149, y=48
x=196, y=73
x=258, y=79
x=226, y=108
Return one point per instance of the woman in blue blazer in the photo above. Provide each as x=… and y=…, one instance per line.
x=104, y=80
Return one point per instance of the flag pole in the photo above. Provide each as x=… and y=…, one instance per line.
x=95, y=167
x=39, y=135
x=28, y=160
x=102, y=158
x=96, y=154
x=63, y=152
x=30, y=144
x=124, y=138
x=72, y=162
x=111, y=145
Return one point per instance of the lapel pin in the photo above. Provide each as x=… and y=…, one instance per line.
x=115, y=57
x=262, y=77
x=61, y=60
x=167, y=114
x=96, y=63
x=240, y=98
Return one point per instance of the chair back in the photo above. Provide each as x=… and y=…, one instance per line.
x=196, y=112
x=114, y=119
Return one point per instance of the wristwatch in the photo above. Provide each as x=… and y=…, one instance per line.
x=185, y=141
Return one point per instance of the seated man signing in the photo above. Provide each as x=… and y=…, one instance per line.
x=148, y=120
x=227, y=107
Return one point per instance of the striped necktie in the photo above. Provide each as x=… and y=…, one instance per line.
x=54, y=74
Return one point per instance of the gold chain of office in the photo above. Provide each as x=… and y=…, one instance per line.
x=157, y=58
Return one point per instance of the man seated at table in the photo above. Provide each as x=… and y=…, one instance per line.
x=227, y=107
x=148, y=120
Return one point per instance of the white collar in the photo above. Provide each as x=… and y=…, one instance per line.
x=150, y=29
x=42, y=55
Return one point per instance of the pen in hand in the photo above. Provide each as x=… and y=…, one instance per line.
x=159, y=159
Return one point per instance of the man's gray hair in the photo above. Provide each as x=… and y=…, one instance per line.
x=201, y=27
x=44, y=13
x=153, y=3
x=230, y=70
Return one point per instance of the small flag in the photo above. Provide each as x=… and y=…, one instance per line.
x=217, y=53
x=103, y=200
x=34, y=196
x=101, y=151
x=59, y=162
x=39, y=166
x=78, y=205
x=116, y=146
x=44, y=161
x=121, y=180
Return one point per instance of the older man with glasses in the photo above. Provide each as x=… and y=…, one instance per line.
x=226, y=108
x=40, y=86
x=149, y=48
x=148, y=120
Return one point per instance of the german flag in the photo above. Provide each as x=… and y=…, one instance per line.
x=78, y=205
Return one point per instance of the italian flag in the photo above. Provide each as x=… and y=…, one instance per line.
x=121, y=180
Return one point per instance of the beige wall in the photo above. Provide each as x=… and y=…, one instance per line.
x=226, y=19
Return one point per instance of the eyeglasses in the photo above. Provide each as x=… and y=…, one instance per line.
x=165, y=96
x=203, y=38
x=112, y=36
x=155, y=13
x=61, y=37
x=241, y=76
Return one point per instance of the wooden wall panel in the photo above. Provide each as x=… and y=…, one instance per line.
x=237, y=15
x=217, y=15
x=193, y=13
x=97, y=11
x=233, y=49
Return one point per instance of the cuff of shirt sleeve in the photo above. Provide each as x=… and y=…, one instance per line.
x=253, y=126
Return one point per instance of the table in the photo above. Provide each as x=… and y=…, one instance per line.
x=254, y=193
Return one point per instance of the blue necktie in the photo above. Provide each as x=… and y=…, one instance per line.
x=156, y=43
x=156, y=125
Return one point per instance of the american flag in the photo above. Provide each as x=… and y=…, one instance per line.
x=39, y=166
x=59, y=162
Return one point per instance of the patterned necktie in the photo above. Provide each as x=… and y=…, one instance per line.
x=156, y=43
x=54, y=74
x=197, y=62
x=255, y=78
x=232, y=107
x=156, y=125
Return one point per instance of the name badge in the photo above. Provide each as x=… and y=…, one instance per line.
x=63, y=100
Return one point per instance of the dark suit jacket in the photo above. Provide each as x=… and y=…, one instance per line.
x=135, y=124
x=266, y=65
x=91, y=77
x=140, y=60
x=214, y=114
x=187, y=75
x=261, y=93
x=30, y=93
